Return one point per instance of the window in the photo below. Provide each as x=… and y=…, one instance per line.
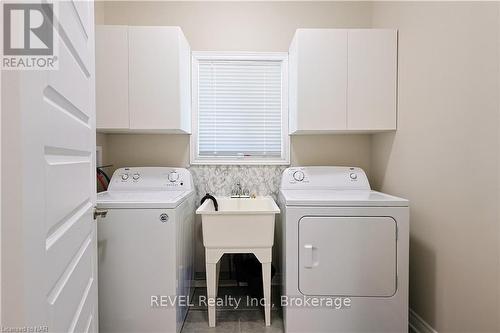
x=240, y=112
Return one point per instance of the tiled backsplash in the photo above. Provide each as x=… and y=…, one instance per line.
x=221, y=179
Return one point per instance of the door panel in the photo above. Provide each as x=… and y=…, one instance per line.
x=61, y=250
x=72, y=289
x=59, y=177
x=70, y=100
x=78, y=32
x=86, y=321
x=53, y=150
x=70, y=189
x=63, y=119
x=84, y=13
x=347, y=256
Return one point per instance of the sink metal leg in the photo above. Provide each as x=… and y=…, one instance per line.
x=211, y=292
x=266, y=281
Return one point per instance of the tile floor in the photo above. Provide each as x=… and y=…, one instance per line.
x=246, y=318
x=233, y=321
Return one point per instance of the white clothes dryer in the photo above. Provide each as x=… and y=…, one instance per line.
x=344, y=243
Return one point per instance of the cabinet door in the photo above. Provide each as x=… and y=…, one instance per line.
x=155, y=85
x=372, y=68
x=320, y=57
x=111, y=63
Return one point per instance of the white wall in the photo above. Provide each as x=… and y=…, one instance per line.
x=239, y=25
x=444, y=158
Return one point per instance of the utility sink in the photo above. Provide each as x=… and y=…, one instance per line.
x=241, y=225
x=239, y=222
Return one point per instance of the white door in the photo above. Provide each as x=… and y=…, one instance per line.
x=347, y=256
x=59, y=280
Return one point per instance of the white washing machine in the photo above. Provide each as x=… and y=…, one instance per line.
x=346, y=247
x=146, y=248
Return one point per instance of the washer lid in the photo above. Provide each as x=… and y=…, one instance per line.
x=341, y=198
x=141, y=199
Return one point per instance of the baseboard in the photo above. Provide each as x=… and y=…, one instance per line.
x=418, y=325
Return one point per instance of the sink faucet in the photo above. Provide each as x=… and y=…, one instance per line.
x=239, y=192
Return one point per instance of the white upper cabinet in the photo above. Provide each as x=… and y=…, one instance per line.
x=371, y=84
x=342, y=80
x=111, y=66
x=159, y=79
x=155, y=81
x=318, y=80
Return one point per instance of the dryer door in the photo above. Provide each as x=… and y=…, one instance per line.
x=347, y=256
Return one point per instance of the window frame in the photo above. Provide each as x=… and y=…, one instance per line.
x=195, y=158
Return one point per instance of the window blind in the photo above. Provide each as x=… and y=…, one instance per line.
x=239, y=108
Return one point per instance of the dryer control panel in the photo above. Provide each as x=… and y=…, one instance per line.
x=151, y=179
x=327, y=177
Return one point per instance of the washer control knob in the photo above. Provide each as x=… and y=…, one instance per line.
x=136, y=176
x=173, y=176
x=353, y=176
x=298, y=176
x=125, y=176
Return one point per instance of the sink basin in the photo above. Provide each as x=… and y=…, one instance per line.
x=239, y=222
